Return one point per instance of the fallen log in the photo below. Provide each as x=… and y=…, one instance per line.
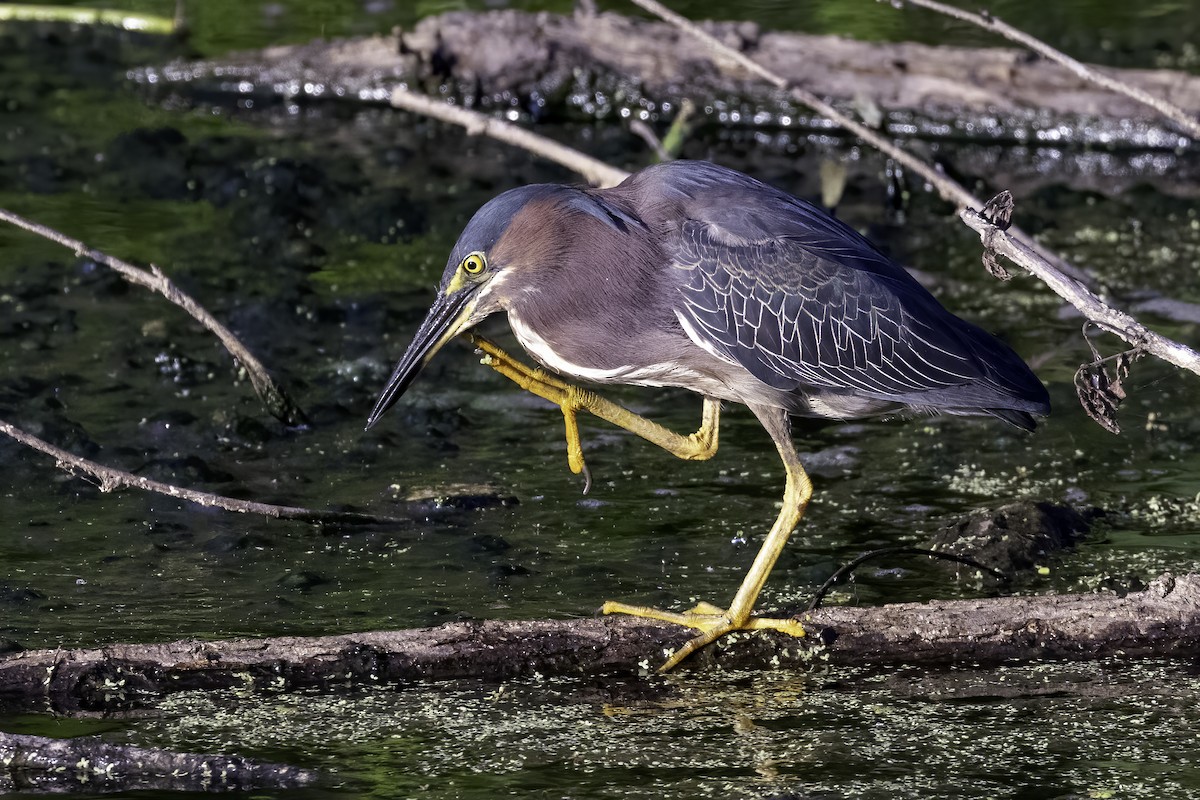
x=598, y=65
x=1162, y=620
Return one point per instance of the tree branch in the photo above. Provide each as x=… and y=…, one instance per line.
x=110, y=478
x=593, y=170
x=277, y=402
x=1082, y=298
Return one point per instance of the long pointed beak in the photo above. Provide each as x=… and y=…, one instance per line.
x=446, y=318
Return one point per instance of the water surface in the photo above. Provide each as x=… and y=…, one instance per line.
x=318, y=232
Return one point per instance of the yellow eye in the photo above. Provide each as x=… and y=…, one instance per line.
x=474, y=264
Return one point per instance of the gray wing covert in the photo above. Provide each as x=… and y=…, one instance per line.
x=801, y=312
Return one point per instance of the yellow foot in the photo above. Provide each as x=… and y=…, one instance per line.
x=712, y=622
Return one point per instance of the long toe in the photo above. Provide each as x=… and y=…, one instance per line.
x=711, y=621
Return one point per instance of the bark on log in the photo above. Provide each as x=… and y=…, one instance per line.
x=597, y=64
x=44, y=765
x=1162, y=620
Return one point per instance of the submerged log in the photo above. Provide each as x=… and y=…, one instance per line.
x=1162, y=620
x=602, y=64
x=53, y=766
x=1015, y=537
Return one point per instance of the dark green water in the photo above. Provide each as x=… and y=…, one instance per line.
x=317, y=236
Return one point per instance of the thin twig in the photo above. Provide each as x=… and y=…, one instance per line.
x=594, y=171
x=1078, y=295
x=848, y=568
x=110, y=478
x=996, y=25
x=277, y=402
x=650, y=138
x=949, y=189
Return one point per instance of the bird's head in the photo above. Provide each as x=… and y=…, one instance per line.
x=511, y=247
x=503, y=243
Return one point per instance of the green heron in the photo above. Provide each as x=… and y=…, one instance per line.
x=692, y=275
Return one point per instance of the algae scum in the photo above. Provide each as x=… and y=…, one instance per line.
x=316, y=232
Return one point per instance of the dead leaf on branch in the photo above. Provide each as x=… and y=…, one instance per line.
x=997, y=211
x=1100, y=391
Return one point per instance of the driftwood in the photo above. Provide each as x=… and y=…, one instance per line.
x=597, y=63
x=1162, y=620
x=43, y=765
x=547, y=66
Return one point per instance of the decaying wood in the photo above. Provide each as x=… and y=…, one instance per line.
x=43, y=765
x=498, y=57
x=1162, y=620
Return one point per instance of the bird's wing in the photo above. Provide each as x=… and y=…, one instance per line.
x=803, y=313
x=802, y=301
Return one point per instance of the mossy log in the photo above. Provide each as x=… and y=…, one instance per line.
x=1162, y=620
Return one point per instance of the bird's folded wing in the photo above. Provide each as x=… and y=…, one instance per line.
x=819, y=311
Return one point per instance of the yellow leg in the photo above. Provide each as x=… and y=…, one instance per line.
x=698, y=446
x=711, y=621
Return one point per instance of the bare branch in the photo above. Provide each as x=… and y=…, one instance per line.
x=996, y=25
x=110, y=478
x=1111, y=319
x=593, y=170
x=650, y=138
x=278, y=403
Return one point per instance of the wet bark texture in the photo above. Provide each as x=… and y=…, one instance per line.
x=85, y=765
x=591, y=64
x=1162, y=620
